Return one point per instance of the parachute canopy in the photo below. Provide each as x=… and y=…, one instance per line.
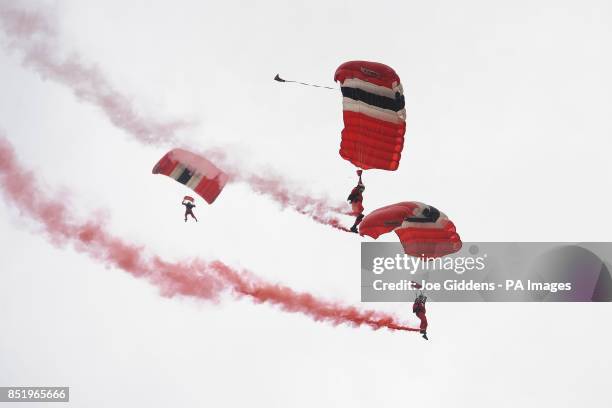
x=374, y=115
x=194, y=171
x=421, y=228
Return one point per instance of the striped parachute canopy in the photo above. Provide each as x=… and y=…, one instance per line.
x=422, y=229
x=194, y=171
x=374, y=115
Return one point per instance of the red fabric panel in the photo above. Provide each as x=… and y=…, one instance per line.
x=386, y=219
x=430, y=242
x=165, y=165
x=373, y=125
x=210, y=189
x=374, y=72
x=371, y=163
x=371, y=143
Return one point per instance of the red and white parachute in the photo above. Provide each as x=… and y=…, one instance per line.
x=421, y=228
x=194, y=171
x=374, y=115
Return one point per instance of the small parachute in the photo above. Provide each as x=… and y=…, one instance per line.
x=194, y=171
x=374, y=115
x=422, y=229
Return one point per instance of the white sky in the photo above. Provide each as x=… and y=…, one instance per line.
x=508, y=108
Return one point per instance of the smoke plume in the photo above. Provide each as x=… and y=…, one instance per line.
x=33, y=35
x=195, y=277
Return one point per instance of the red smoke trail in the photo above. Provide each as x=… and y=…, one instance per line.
x=32, y=33
x=197, y=278
x=305, y=303
x=316, y=209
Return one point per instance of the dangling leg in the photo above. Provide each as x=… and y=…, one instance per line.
x=357, y=222
x=421, y=315
x=194, y=217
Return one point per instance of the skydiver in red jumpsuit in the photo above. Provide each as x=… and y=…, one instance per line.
x=418, y=308
x=356, y=200
x=189, y=210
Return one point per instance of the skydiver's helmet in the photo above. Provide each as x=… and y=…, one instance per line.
x=361, y=187
x=421, y=299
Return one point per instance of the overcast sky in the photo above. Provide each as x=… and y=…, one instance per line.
x=508, y=132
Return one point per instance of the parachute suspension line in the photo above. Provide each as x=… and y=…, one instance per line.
x=279, y=79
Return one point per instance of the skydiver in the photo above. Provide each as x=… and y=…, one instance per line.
x=189, y=206
x=356, y=200
x=418, y=308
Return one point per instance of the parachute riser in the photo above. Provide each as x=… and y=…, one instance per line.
x=279, y=79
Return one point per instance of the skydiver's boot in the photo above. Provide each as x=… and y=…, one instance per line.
x=357, y=222
x=424, y=333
